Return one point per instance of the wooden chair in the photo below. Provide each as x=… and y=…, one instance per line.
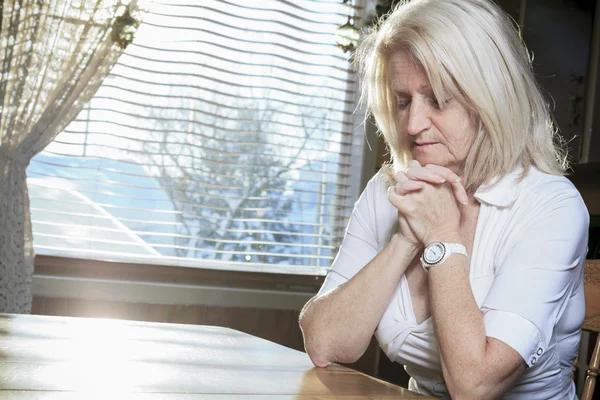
x=592, y=322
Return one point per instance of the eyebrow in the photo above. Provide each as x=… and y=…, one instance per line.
x=426, y=89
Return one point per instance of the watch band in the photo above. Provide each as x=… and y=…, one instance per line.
x=437, y=252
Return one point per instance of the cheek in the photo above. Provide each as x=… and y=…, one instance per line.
x=403, y=138
x=466, y=139
x=470, y=134
x=462, y=144
x=463, y=131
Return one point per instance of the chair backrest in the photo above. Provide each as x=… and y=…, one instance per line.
x=592, y=322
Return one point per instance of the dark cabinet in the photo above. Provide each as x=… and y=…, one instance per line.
x=558, y=33
x=512, y=7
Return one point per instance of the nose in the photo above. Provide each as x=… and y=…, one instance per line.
x=418, y=118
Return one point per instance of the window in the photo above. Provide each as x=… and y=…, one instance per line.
x=224, y=138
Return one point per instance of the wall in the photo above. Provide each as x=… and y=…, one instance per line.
x=586, y=177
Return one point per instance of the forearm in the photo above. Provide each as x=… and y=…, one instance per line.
x=458, y=324
x=457, y=318
x=483, y=390
x=338, y=326
x=467, y=363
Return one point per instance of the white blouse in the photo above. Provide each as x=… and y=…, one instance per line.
x=526, y=273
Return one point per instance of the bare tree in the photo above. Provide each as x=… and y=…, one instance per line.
x=231, y=178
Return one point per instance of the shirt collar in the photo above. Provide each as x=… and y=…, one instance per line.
x=500, y=192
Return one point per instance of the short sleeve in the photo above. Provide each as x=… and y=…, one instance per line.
x=372, y=218
x=538, y=275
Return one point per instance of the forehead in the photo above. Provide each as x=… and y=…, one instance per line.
x=407, y=74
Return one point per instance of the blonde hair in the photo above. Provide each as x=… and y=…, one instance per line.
x=470, y=50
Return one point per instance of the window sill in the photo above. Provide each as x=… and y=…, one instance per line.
x=146, y=283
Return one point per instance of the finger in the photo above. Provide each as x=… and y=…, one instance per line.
x=395, y=198
x=414, y=164
x=400, y=176
x=403, y=188
x=446, y=173
x=460, y=193
x=457, y=187
x=425, y=175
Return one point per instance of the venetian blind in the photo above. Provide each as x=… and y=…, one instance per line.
x=223, y=138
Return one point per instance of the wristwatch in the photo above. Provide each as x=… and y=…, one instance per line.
x=437, y=252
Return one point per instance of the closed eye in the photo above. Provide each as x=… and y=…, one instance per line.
x=440, y=104
x=403, y=104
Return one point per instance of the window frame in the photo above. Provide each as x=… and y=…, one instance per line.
x=65, y=277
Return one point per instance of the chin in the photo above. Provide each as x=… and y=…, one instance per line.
x=424, y=160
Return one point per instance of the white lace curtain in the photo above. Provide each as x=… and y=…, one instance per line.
x=54, y=55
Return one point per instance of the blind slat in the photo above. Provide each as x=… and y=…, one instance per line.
x=333, y=215
x=153, y=119
x=220, y=174
x=340, y=185
x=330, y=189
x=341, y=99
x=175, y=236
x=242, y=62
x=219, y=70
x=294, y=14
x=208, y=151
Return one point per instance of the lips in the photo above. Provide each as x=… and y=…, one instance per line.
x=423, y=146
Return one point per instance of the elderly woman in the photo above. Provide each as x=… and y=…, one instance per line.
x=467, y=264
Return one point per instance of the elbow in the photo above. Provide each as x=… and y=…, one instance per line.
x=479, y=383
x=322, y=340
x=321, y=345
x=323, y=352
x=465, y=393
x=469, y=387
x=315, y=348
x=486, y=377
x=313, y=342
x=318, y=356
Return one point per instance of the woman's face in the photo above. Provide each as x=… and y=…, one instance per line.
x=440, y=134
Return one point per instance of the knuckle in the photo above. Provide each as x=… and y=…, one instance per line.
x=409, y=208
x=400, y=176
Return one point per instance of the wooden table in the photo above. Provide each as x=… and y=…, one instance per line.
x=60, y=358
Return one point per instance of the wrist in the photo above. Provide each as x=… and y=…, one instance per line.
x=405, y=246
x=442, y=235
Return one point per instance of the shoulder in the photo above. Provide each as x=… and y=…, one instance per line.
x=373, y=209
x=376, y=190
x=546, y=228
x=550, y=189
x=542, y=194
x=541, y=183
x=382, y=179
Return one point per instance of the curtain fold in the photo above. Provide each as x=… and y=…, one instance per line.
x=55, y=56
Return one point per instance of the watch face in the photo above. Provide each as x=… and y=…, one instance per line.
x=434, y=253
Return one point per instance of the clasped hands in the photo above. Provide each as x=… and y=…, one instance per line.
x=427, y=198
